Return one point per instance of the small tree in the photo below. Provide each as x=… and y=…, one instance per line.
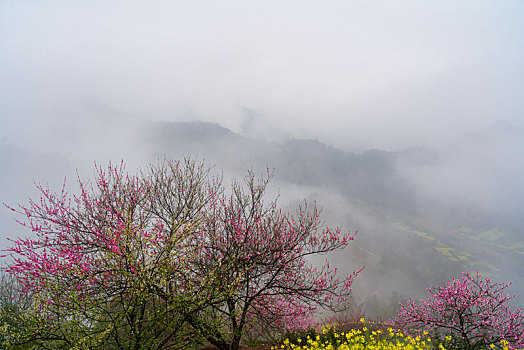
x=471, y=311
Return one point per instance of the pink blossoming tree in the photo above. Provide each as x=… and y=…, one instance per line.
x=164, y=258
x=471, y=312
x=267, y=250
x=110, y=266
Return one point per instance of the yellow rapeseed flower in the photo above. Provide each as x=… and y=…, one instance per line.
x=361, y=340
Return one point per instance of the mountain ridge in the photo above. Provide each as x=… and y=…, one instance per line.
x=406, y=240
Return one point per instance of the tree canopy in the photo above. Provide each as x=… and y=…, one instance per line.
x=169, y=257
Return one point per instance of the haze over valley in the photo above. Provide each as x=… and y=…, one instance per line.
x=404, y=121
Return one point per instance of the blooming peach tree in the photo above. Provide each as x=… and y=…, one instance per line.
x=471, y=312
x=267, y=250
x=110, y=266
x=165, y=258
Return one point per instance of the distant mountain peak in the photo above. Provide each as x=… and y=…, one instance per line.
x=503, y=127
x=498, y=130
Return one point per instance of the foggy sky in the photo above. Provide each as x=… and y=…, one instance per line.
x=355, y=74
